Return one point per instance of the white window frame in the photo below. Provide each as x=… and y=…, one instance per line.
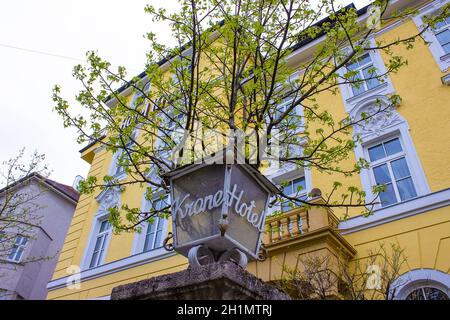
x=384, y=88
x=303, y=193
x=86, y=261
x=170, y=113
x=105, y=235
x=281, y=176
x=101, y=215
x=414, y=279
x=396, y=127
x=139, y=238
x=442, y=59
x=389, y=159
x=17, y=247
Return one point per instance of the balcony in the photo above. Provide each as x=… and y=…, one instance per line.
x=292, y=235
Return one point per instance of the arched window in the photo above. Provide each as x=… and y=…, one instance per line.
x=422, y=284
x=427, y=293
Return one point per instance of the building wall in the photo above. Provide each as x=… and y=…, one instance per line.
x=30, y=280
x=425, y=235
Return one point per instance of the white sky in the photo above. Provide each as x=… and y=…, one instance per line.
x=67, y=28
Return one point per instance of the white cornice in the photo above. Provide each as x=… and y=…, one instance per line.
x=399, y=211
x=113, y=267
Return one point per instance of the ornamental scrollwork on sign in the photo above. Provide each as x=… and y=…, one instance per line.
x=168, y=246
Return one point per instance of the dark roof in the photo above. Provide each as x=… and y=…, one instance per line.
x=91, y=143
x=304, y=42
x=68, y=191
x=300, y=44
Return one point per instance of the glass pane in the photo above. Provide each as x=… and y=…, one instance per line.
x=400, y=168
x=352, y=66
x=358, y=87
x=393, y=147
x=19, y=254
x=18, y=240
x=104, y=226
x=158, y=239
x=364, y=59
x=371, y=83
x=152, y=226
x=427, y=293
x=434, y=294
x=406, y=189
x=376, y=153
x=416, y=295
x=148, y=244
x=98, y=244
x=24, y=241
x=285, y=206
x=381, y=174
x=94, y=260
x=388, y=197
x=160, y=224
x=446, y=48
x=298, y=185
x=439, y=25
x=443, y=37
x=13, y=253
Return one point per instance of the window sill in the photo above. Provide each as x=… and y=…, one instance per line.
x=115, y=266
x=12, y=261
x=377, y=90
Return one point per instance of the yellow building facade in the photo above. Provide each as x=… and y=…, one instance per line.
x=410, y=147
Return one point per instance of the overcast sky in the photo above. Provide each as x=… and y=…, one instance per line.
x=65, y=29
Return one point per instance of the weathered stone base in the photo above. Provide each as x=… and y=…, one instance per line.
x=217, y=281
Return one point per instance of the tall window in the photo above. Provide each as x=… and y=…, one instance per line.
x=365, y=70
x=153, y=235
x=389, y=167
x=121, y=154
x=100, y=244
x=295, y=188
x=173, y=131
x=18, y=248
x=139, y=102
x=442, y=33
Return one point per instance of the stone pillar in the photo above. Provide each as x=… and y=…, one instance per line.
x=216, y=281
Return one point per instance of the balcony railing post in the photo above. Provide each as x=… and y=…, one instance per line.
x=285, y=227
x=275, y=228
x=295, y=224
x=305, y=222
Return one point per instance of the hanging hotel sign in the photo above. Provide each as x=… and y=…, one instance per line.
x=220, y=206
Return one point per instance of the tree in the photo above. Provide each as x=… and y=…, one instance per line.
x=230, y=74
x=325, y=276
x=19, y=206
